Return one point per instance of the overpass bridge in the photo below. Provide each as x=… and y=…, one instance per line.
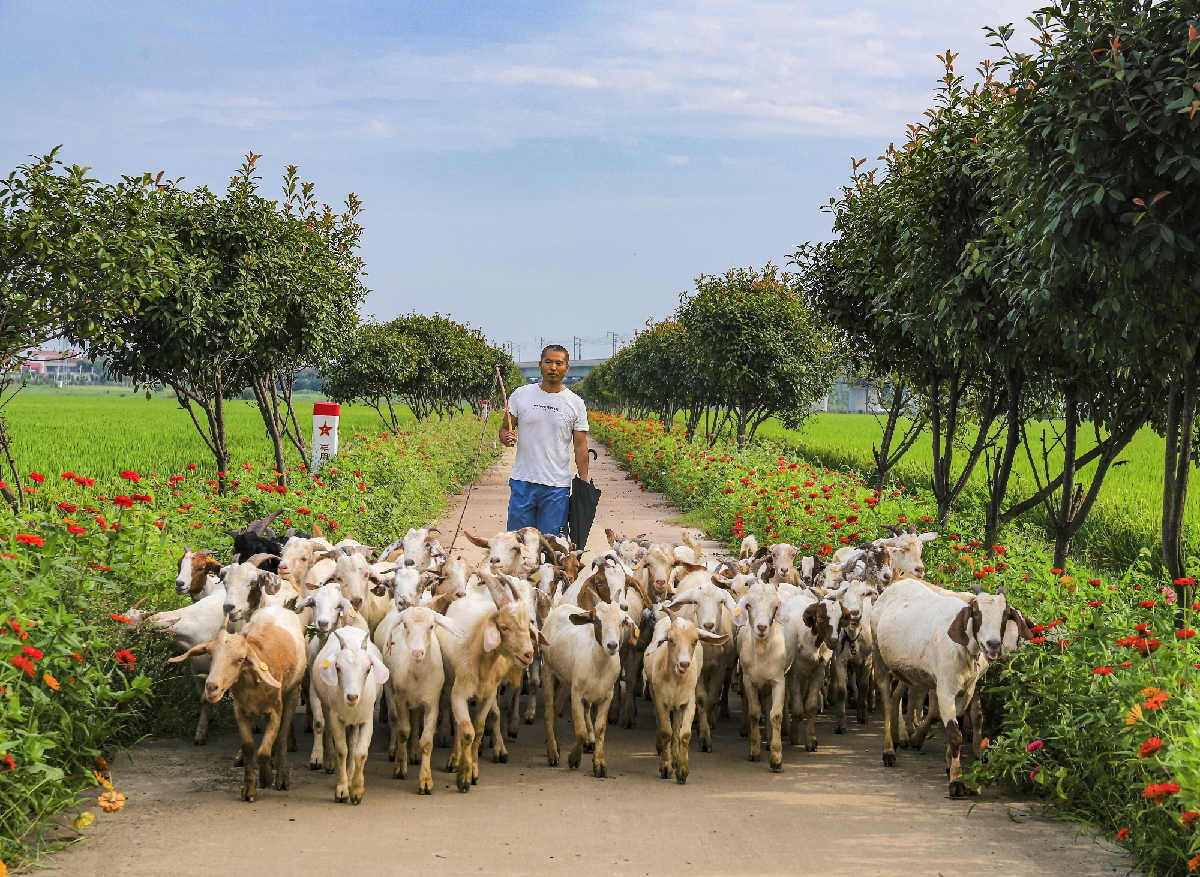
x=576, y=372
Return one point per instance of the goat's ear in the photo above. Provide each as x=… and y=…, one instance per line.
x=491, y=637
x=783, y=616
x=328, y=670
x=810, y=615
x=202, y=649
x=270, y=582
x=380, y=589
x=212, y=566
x=374, y=577
x=582, y=617
x=739, y=613
x=379, y=671
x=1022, y=623
x=1009, y=639
x=927, y=537
x=715, y=639
x=762, y=552
x=538, y=637
x=260, y=667
x=958, y=627
x=475, y=540
x=452, y=628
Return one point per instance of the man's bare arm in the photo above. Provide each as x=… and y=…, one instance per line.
x=581, y=454
x=508, y=430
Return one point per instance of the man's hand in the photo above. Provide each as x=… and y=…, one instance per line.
x=508, y=437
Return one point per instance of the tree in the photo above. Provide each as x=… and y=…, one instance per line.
x=376, y=362
x=1108, y=115
x=75, y=255
x=758, y=347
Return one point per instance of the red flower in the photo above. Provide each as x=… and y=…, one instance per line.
x=142, y=497
x=31, y=539
x=1123, y=834
x=126, y=659
x=1156, y=700
x=38, y=477
x=1054, y=570
x=66, y=507
x=76, y=530
x=23, y=664
x=1093, y=581
x=124, y=619
x=1190, y=816
x=1037, y=640
x=1147, y=604
x=9, y=764
x=130, y=475
x=123, y=501
x=979, y=574
x=1095, y=603
x=31, y=652
x=1149, y=747
x=1185, y=581
x=1103, y=671
x=1159, y=792
x=1186, y=633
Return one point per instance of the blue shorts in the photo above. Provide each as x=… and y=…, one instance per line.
x=538, y=505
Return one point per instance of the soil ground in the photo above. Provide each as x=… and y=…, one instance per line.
x=836, y=811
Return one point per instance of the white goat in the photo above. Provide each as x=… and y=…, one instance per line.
x=765, y=651
x=710, y=607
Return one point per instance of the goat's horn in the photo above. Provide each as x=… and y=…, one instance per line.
x=259, y=528
x=259, y=558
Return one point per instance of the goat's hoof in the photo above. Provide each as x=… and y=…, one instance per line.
x=755, y=756
x=464, y=784
x=314, y=764
x=681, y=776
x=391, y=755
x=248, y=793
x=512, y=735
x=400, y=772
x=589, y=746
x=599, y=769
x=889, y=759
x=341, y=796
x=356, y=797
x=499, y=758
x=664, y=772
x=199, y=740
x=573, y=761
x=239, y=762
x=862, y=720
x=810, y=747
x=628, y=723
x=705, y=745
x=552, y=760
x=528, y=721
x=958, y=789
x=283, y=783
x=425, y=790
x=840, y=729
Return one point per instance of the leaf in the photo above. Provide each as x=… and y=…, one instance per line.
x=1160, y=196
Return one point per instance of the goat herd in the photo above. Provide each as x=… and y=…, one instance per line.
x=419, y=635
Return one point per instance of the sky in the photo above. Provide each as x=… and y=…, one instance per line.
x=541, y=170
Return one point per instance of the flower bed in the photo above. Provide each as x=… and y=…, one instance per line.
x=74, y=680
x=1098, y=714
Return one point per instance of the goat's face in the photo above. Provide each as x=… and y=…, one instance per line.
x=298, y=556
x=356, y=576
x=877, y=565
x=660, y=564
x=244, y=587
x=351, y=665
x=854, y=599
x=531, y=548
x=456, y=575
x=231, y=657
x=990, y=631
x=415, y=631
x=709, y=600
x=607, y=621
x=823, y=618
x=760, y=608
x=516, y=631
x=328, y=606
x=194, y=569
x=406, y=587
x=615, y=576
x=417, y=548
x=906, y=554
x=505, y=553
x=783, y=557
x=682, y=637
x=571, y=564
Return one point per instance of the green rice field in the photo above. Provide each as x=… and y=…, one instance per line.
x=1126, y=518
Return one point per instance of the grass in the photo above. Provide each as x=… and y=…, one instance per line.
x=1125, y=519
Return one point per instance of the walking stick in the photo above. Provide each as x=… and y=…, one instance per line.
x=478, y=454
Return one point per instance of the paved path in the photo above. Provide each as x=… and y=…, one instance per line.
x=836, y=811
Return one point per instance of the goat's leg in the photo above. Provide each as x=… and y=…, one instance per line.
x=599, y=764
x=393, y=725
x=633, y=674
x=535, y=682
x=441, y=739
x=550, y=711
x=975, y=711
x=496, y=719
x=794, y=707
x=484, y=710
x=271, y=729
x=315, y=711
x=511, y=710
x=460, y=757
x=903, y=726
x=245, y=725
x=840, y=693
x=362, y=745
x=949, y=707
x=283, y=771
x=917, y=739
x=778, y=688
x=614, y=711
x=889, y=702
x=415, y=718
x=206, y=709
x=682, y=736
x=401, y=730
x=812, y=705
x=425, y=778
x=662, y=715
x=340, y=731
x=726, y=684
x=580, y=721
x=862, y=685
x=753, y=705
x=702, y=708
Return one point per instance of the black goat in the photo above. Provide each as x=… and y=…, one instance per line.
x=258, y=538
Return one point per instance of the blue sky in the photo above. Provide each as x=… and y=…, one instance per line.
x=537, y=169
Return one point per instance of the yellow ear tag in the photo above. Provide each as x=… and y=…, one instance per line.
x=262, y=665
x=324, y=663
x=353, y=614
x=737, y=610
x=636, y=632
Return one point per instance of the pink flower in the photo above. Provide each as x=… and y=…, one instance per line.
x=1034, y=746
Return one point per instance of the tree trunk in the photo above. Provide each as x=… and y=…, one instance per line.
x=885, y=460
x=999, y=478
x=1069, y=497
x=220, y=439
x=1179, y=434
x=263, y=387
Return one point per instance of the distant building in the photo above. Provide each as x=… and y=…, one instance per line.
x=65, y=364
x=576, y=372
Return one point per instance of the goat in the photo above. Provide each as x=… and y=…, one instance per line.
x=297, y=558
x=582, y=658
x=248, y=589
x=349, y=673
x=935, y=642
x=765, y=652
x=198, y=575
x=852, y=651
x=813, y=624
x=263, y=666
x=507, y=552
x=257, y=538
x=499, y=636
x=673, y=662
x=359, y=582
x=413, y=655
x=710, y=608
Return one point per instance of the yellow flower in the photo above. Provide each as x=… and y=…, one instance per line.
x=83, y=820
x=1066, y=580
x=1134, y=715
x=111, y=802
x=50, y=680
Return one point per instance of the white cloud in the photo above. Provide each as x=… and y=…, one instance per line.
x=678, y=159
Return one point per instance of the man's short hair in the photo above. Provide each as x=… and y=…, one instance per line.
x=566, y=354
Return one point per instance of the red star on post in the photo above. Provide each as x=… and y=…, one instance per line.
x=325, y=429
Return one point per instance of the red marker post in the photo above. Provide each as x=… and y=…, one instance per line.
x=324, y=435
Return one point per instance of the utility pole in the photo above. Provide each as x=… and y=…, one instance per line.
x=577, y=343
x=615, y=338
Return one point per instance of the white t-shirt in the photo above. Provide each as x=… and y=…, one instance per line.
x=546, y=424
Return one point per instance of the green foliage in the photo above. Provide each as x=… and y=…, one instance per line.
x=377, y=361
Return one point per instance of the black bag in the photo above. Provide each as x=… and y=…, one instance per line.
x=585, y=497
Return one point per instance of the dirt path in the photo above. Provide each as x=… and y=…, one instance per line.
x=835, y=811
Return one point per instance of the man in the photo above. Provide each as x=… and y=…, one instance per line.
x=552, y=420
